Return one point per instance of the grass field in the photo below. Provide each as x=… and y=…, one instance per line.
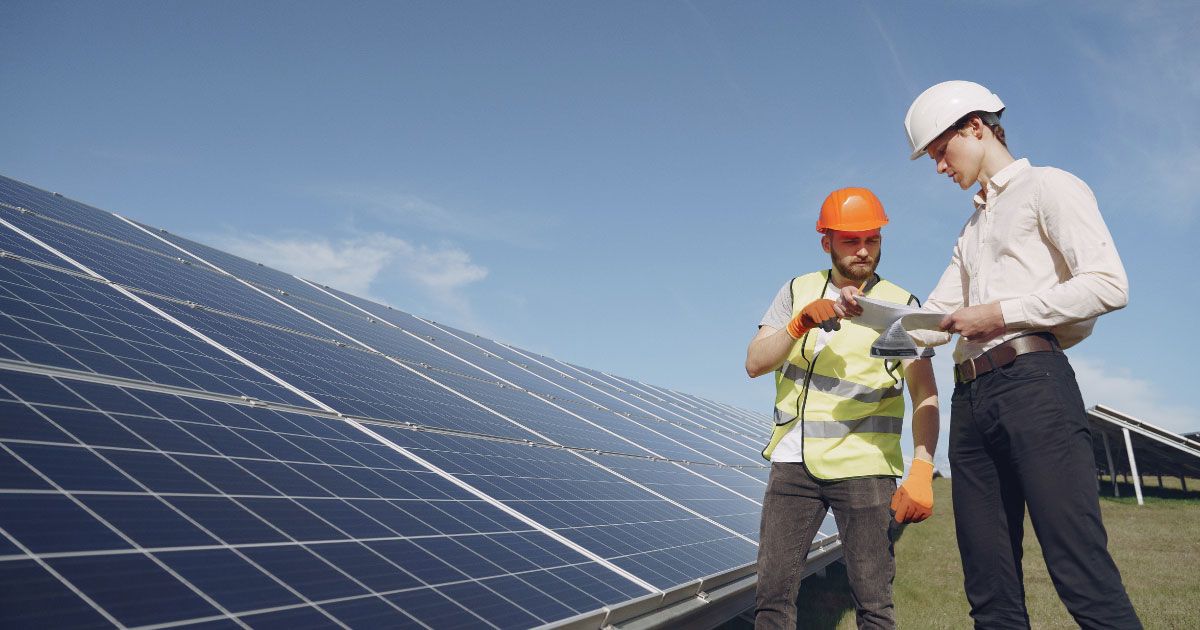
x=1156, y=546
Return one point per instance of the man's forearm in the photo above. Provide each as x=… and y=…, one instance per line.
x=766, y=353
x=925, y=429
x=922, y=389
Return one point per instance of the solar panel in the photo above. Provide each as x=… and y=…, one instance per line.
x=212, y=518
x=190, y=438
x=1135, y=448
x=54, y=318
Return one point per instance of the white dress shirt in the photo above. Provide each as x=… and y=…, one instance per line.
x=1037, y=245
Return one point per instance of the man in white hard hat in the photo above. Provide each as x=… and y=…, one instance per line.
x=1033, y=268
x=838, y=417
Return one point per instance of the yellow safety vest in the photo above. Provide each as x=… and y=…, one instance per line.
x=849, y=406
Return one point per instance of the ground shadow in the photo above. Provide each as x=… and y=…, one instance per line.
x=1151, y=489
x=823, y=602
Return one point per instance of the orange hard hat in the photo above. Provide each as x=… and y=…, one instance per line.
x=851, y=210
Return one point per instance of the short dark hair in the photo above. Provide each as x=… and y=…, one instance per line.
x=989, y=119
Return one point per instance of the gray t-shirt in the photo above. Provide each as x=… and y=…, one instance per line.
x=780, y=312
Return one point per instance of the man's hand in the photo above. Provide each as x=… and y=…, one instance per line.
x=913, y=501
x=846, y=305
x=818, y=313
x=976, y=323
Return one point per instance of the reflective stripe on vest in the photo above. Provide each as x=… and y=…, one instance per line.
x=842, y=428
x=838, y=387
x=836, y=428
x=849, y=406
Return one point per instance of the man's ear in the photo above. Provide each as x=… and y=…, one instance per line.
x=977, y=127
x=825, y=242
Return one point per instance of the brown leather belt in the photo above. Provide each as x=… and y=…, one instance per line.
x=1004, y=354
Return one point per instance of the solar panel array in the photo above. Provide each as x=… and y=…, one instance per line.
x=190, y=438
x=1155, y=450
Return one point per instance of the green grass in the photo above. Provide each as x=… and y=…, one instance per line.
x=1170, y=490
x=1156, y=546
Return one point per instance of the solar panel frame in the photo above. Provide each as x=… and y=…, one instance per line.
x=638, y=391
x=715, y=444
x=686, y=435
x=695, y=409
x=649, y=435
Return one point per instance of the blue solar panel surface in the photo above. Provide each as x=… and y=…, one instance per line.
x=190, y=438
x=59, y=319
x=200, y=506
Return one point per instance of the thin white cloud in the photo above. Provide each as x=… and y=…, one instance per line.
x=402, y=208
x=718, y=53
x=1116, y=386
x=356, y=265
x=1146, y=87
x=909, y=85
x=135, y=156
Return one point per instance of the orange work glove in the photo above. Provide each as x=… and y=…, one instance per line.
x=913, y=501
x=817, y=313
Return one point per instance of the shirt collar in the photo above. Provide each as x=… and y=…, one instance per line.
x=1001, y=179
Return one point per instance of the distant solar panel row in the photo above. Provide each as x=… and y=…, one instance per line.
x=187, y=437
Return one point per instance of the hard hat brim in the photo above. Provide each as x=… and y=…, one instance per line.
x=854, y=227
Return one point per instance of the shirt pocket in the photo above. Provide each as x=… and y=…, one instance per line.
x=1014, y=228
x=1016, y=244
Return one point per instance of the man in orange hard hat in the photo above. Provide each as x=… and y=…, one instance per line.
x=838, y=417
x=1032, y=269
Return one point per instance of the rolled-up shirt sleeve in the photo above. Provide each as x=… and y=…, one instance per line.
x=1093, y=280
x=780, y=312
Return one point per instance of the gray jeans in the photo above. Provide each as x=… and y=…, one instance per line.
x=793, y=509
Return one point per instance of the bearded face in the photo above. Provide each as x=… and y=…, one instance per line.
x=854, y=255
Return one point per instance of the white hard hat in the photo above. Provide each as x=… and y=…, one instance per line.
x=941, y=106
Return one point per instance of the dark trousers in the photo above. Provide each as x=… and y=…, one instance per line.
x=1019, y=437
x=793, y=509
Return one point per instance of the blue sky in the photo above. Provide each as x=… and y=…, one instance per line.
x=620, y=185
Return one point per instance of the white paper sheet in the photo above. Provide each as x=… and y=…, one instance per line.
x=893, y=321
